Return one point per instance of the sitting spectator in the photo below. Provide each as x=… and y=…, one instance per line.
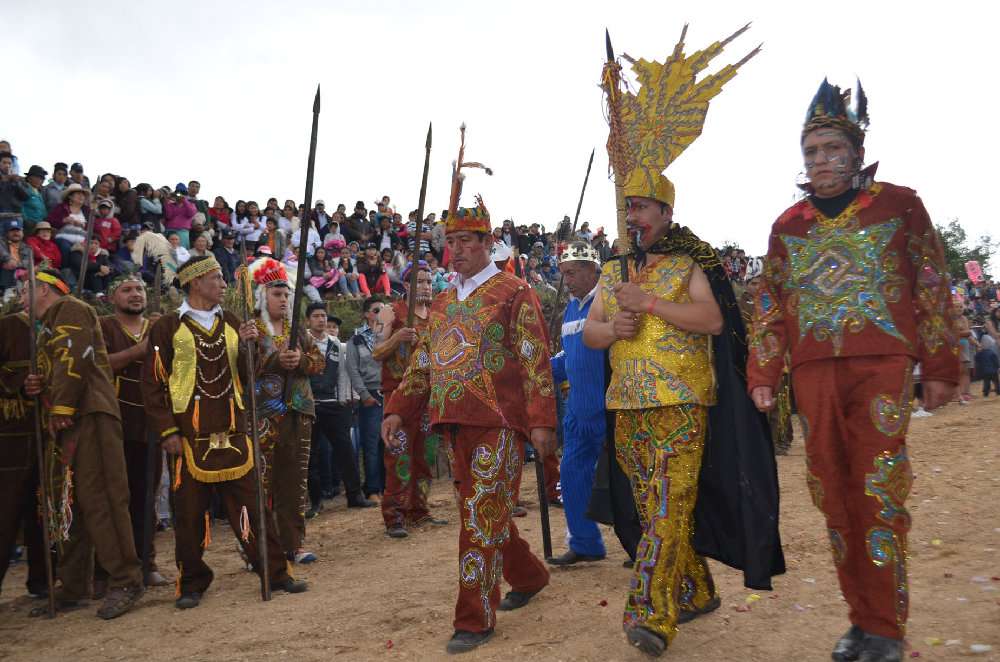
x=98, y=269
x=178, y=212
x=292, y=262
x=200, y=246
x=13, y=254
x=385, y=238
x=127, y=200
x=150, y=207
x=52, y=193
x=273, y=238
x=250, y=225
x=121, y=261
x=47, y=253
x=15, y=167
x=220, y=214
x=106, y=227
x=178, y=253
x=349, y=280
x=13, y=191
x=226, y=254
x=33, y=207
x=313, y=240
x=324, y=273
x=288, y=222
x=103, y=191
x=69, y=219
x=373, y=278
x=76, y=176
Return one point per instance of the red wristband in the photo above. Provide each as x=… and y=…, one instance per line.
x=652, y=304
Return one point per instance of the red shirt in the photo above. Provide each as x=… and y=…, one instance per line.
x=108, y=230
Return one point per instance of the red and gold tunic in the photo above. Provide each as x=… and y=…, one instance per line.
x=870, y=282
x=394, y=367
x=484, y=362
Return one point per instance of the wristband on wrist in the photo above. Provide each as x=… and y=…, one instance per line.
x=652, y=304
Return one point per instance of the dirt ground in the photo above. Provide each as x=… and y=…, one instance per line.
x=373, y=598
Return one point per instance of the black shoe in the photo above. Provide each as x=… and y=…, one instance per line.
x=119, y=600
x=688, y=615
x=396, y=532
x=628, y=563
x=291, y=586
x=431, y=520
x=360, y=502
x=556, y=503
x=516, y=599
x=572, y=558
x=848, y=647
x=464, y=641
x=881, y=649
x=314, y=510
x=647, y=641
x=188, y=600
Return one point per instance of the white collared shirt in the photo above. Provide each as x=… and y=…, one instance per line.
x=466, y=286
x=204, y=318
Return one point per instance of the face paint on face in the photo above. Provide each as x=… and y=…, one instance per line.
x=830, y=161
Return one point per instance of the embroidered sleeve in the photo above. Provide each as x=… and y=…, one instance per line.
x=155, y=375
x=768, y=332
x=937, y=341
x=528, y=342
x=69, y=346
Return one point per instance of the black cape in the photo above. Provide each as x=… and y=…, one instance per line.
x=736, y=515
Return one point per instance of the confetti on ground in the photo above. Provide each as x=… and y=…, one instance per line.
x=603, y=603
x=752, y=598
x=936, y=542
x=933, y=641
x=980, y=648
x=388, y=644
x=952, y=642
x=979, y=579
x=809, y=580
x=742, y=607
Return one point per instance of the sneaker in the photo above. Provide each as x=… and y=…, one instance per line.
x=396, y=531
x=291, y=586
x=920, y=412
x=303, y=557
x=188, y=600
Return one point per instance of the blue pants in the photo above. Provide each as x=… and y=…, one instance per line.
x=370, y=443
x=579, y=462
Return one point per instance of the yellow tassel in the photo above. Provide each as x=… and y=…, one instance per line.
x=177, y=473
x=232, y=415
x=180, y=572
x=207, y=540
x=244, y=525
x=159, y=370
x=196, y=416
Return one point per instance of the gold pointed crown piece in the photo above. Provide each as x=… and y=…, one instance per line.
x=650, y=128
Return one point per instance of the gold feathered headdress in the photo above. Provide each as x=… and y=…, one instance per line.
x=652, y=127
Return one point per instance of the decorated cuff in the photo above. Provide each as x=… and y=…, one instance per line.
x=169, y=431
x=62, y=410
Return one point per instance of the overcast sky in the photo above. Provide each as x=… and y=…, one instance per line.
x=222, y=92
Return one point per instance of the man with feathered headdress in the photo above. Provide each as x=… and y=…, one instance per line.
x=856, y=290
x=193, y=380
x=685, y=431
x=482, y=371
x=286, y=411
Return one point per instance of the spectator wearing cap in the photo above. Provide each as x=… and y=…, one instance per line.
x=77, y=177
x=121, y=260
x=107, y=228
x=69, y=219
x=178, y=212
x=47, y=253
x=357, y=224
x=320, y=218
x=52, y=193
x=226, y=254
x=33, y=207
x=13, y=253
x=333, y=233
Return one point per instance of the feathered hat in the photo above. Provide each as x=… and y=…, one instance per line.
x=465, y=219
x=269, y=273
x=650, y=128
x=833, y=108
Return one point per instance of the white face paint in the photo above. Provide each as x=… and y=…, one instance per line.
x=830, y=161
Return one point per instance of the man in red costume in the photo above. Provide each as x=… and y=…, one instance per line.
x=856, y=289
x=482, y=370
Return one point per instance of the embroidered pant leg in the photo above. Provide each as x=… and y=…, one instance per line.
x=856, y=412
x=579, y=462
x=102, y=494
x=290, y=478
x=239, y=495
x=401, y=494
x=424, y=457
x=660, y=449
x=486, y=463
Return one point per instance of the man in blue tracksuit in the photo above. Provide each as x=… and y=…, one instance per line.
x=584, y=422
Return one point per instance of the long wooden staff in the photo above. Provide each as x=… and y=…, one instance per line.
x=243, y=281
x=152, y=449
x=43, y=487
x=411, y=312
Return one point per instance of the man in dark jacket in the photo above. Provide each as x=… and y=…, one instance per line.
x=228, y=256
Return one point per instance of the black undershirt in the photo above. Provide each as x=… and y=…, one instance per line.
x=832, y=207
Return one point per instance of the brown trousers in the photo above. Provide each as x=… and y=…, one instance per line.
x=287, y=478
x=19, y=505
x=101, y=520
x=191, y=502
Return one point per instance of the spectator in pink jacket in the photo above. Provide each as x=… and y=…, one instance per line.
x=178, y=211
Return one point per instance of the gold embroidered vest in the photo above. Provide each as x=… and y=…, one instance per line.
x=663, y=365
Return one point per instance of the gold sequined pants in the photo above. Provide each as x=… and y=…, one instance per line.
x=660, y=451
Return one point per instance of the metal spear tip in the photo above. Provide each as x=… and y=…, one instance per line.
x=316, y=100
x=430, y=126
x=607, y=46
x=462, y=128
